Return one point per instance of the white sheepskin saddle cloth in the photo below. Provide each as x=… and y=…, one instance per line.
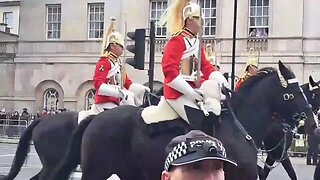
x=83, y=114
x=165, y=112
x=161, y=112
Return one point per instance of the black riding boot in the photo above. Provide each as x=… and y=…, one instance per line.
x=315, y=154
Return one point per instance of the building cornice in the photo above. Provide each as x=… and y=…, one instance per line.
x=9, y=3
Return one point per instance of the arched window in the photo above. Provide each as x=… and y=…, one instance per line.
x=51, y=99
x=89, y=99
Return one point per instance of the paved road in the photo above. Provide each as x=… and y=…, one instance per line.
x=32, y=166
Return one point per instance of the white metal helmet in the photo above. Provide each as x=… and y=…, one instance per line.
x=178, y=12
x=111, y=36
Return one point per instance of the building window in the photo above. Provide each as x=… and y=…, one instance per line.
x=8, y=18
x=89, y=99
x=51, y=99
x=157, y=7
x=53, y=21
x=259, y=17
x=95, y=20
x=209, y=13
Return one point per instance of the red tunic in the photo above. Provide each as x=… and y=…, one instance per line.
x=100, y=76
x=239, y=84
x=242, y=80
x=171, y=62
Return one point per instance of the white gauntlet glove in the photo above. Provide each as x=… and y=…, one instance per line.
x=218, y=76
x=146, y=88
x=183, y=87
x=197, y=95
x=123, y=95
x=110, y=90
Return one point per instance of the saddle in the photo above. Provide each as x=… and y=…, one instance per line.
x=159, y=113
x=165, y=112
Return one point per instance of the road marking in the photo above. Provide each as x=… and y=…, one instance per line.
x=24, y=167
x=11, y=155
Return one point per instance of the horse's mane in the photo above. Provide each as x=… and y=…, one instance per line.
x=252, y=80
x=262, y=73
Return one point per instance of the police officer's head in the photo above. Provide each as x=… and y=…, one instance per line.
x=195, y=156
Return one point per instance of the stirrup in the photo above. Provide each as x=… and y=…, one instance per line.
x=203, y=109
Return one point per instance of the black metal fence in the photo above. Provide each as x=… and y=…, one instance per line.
x=12, y=128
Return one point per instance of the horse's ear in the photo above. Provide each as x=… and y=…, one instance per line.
x=281, y=66
x=283, y=69
x=311, y=82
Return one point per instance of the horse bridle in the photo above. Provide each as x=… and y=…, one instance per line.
x=286, y=127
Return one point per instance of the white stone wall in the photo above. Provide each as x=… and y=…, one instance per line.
x=74, y=19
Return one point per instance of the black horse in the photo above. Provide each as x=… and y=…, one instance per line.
x=276, y=140
x=119, y=142
x=51, y=135
x=313, y=147
x=314, y=142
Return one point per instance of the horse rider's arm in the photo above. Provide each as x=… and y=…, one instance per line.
x=239, y=84
x=127, y=81
x=206, y=67
x=172, y=57
x=100, y=78
x=101, y=71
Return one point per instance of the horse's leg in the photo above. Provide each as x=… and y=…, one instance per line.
x=315, y=154
x=266, y=170
x=316, y=175
x=95, y=173
x=45, y=173
x=310, y=150
x=134, y=175
x=286, y=163
x=309, y=155
x=94, y=163
x=260, y=172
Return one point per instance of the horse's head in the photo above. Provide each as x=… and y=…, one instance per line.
x=312, y=92
x=289, y=100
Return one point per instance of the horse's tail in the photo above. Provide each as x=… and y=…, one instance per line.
x=73, y=154
x=22, y=151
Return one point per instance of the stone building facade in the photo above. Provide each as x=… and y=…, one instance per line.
x=59, y=43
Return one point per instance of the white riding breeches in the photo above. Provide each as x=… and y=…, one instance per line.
x=212, y=98
x=130, y=100
x=178, y=105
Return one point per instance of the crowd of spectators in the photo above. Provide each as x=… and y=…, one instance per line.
x=15, y=118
